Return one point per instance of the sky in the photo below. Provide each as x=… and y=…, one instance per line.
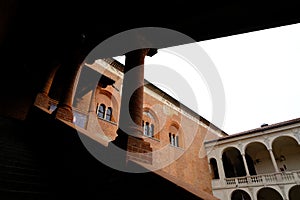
x=259, y=71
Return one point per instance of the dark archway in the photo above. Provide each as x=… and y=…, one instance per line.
x=240, y=195
x=233, y=163
x=294, y=192
x=268, y=194
x=214, y=168
x=258, y=157
x=250, y=164
x=286, y=151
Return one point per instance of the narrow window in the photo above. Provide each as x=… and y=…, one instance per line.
x=152, y=130
x=101, y=110
x=176, y=141
x=214, y=168
x=173, y=140
x=108, y=114
x=147, y=129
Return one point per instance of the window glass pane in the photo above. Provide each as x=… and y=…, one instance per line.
x=101, y=110
x=147, y=129
x=108, y=114
x=152, y=130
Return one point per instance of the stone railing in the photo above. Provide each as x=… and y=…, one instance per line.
x=292, y=177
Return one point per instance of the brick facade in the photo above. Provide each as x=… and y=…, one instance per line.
x=166, y=119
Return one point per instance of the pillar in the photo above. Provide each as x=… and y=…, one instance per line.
x=64, y=107
x=42, y=98
x=273, y=160
x=221, y=171
x=245, y=164
x=131, y=112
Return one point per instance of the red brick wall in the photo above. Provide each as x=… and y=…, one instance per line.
x=187, y=164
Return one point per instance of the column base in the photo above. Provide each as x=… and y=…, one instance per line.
x=137, y=148
x=63, y=112
x=42, y=100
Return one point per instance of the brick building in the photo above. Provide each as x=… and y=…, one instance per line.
x=173, y=134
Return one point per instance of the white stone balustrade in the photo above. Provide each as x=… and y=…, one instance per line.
x=292, y=177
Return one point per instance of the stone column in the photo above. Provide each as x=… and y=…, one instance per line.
x=221, y=171
x=131, y=112
x=42, y=98
x=273, y=160
x=64, y=107
x=245, y=163
x=133, y=93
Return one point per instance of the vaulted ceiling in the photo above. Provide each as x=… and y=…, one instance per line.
x=44, y=31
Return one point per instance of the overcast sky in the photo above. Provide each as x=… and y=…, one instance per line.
x=260, y=73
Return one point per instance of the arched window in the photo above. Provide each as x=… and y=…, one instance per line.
x=108, y=114
x=173, y=140
x=101, y=111
x=146, y=130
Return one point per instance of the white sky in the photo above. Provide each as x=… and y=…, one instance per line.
x=260, y=72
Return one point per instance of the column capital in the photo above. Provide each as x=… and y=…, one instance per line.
x=142, y=52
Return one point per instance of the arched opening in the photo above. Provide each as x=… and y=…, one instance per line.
x=258, y=159
x=294, y=192
x=233, y=163
x=101, y=111
x=175, y=136
x=286, y=151
x=240, y=195
x=149, y=123
x=268, y=194
x=111, y=112
x=214, y=168
x=108, y=114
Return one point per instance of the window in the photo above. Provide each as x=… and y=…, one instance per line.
x=101, y=111
x=173, y=140
x=148, y=129
x=148, y=124
x=108, y=114
x=151, y=130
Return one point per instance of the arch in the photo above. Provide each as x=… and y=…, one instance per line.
x=268, y=193
x=240, y=195
x=103, y=96
x=294, y=192
x=258, y=142
x=101, y=111
x=233, y=164
x=176, y=137
x=286, y=150
x=150, y=123
x=258, y=158
x=214, y=168
x=228, y=147
x=284, y=135
x=108, y=114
